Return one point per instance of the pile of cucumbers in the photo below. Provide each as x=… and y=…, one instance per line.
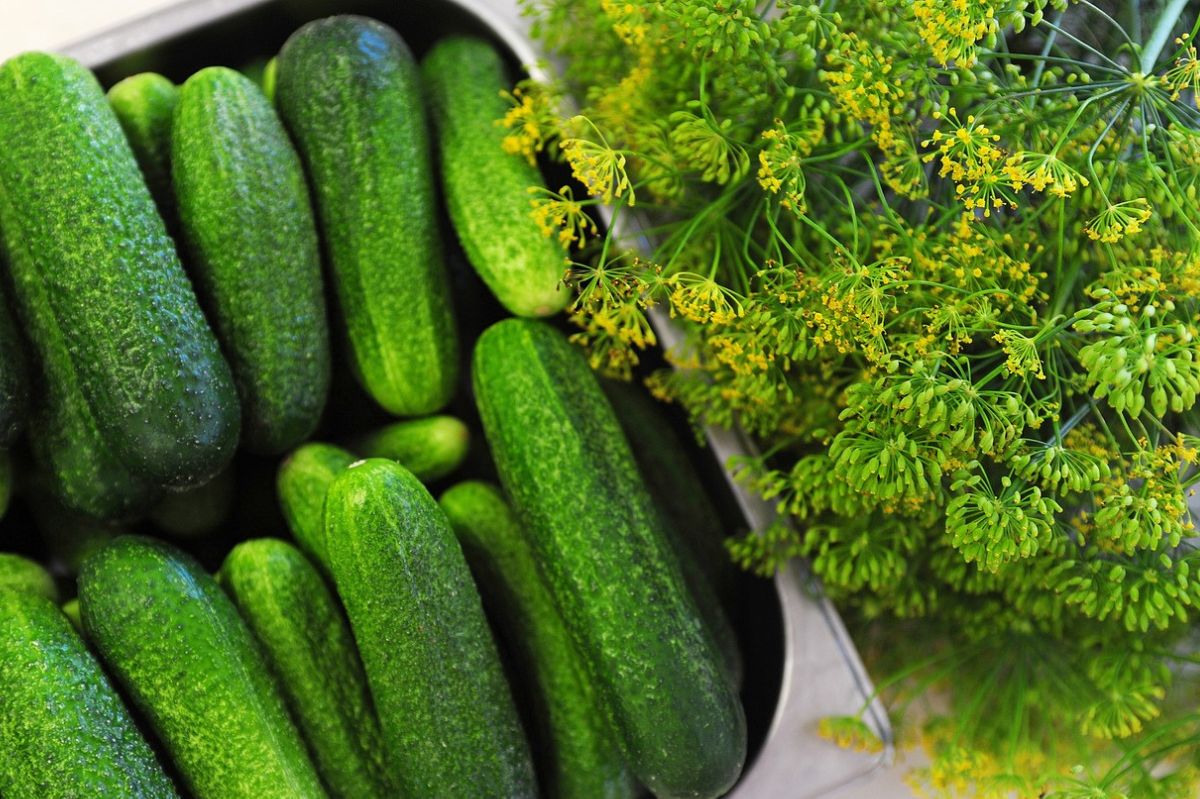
x=356, y=660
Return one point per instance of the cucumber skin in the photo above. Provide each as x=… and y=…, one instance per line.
x=175, y=642
x=447, y=714
x=350, y=93
x=97, y=279
x=431, y=447
x=303, y=481
x=64, y=732
x=571, y=477
x=145, y=105
x=24, y=576
x=296, y=618
x=583, y=759
x=487, y=189
x=245, y=212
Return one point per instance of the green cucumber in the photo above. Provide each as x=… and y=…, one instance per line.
x=14, y=371
x=580, y=755
x=69, y=537
x=176, y=644
x=448, y=717
x=297, y=619
x=303, y=480
x=430, y=448
x=23, y=575
x=572, y=479
x=270, y=70
x=245, y=213
x=350, y=93
x=97, y=282
x=486, y=188
x=196, y=512
x=144, y=105
x=63, y=730
x=70, y=609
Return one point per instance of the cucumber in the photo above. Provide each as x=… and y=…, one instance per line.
x=63, y=730
x=487, y=189
x=24, y=576
x=14, y=371
x=268, y=78
x=580, y=756
x=69, y=537
x=350, y=93
x=572, y=479
x=304, y=479
x=196, y=512
x=448, y=717
x=70, y=609
x=176, y=644
x=97, y=282
x=245, y=213
x=430, y=448
x=310, y=647
x=144, y=105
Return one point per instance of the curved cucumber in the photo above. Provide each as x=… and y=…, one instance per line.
x=24, y=576
x=63, y=730
x=351, y=96
x=294, y=615
x=582, y=758
x=599, y=542
x=14, y=371
x=175, y=642
x=145, y=104
x=430, y=448
x=303, y=481
x=244, y=210
x=486, y=188
x=97, y=281
x=448, y=717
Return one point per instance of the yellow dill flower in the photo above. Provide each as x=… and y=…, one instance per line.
x=952, y=28
x=531, y=121
x=560, y=214
x=968, y=154
x=1186, y=72
x=596, y=165
x=1022, y=354
x=628, y=21
x=702, y=299
x=1043, y=172
x=780, y=164
x=862, y=82
x=850, y=732
x=1118, y=220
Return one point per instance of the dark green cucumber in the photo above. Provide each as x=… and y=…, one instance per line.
x=69, y=537
x=97, y=282
x=14, y=371
x=599, y=541
x=486, y=188
x=297, y=619
x=196, y=512
x=245, y=212
x=430, y=448
x=63, y=730
x=145, y=104
x=350, y=93
x=580, y=757
x=448, y=717
x=304, y=479
x=176, y=644
x=23, y=575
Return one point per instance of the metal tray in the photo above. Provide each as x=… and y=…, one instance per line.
x=822, y=673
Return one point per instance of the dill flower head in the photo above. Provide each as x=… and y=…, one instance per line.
x=1118, y=220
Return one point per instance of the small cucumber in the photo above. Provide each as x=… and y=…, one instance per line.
x=97, y=282
x=486, y=188
x=69, y=537
x=14, y=371
x=304, y=479
x=581, y=759
x=23, y=575
x=196, y=512
x=598, y=538
x=430, y=448
x=145, y=104
x=245, y=213
x=176, y=644
x=297, y=619
x=448, y=717
x=63, y=730
x=70, y=609
x=350, y=93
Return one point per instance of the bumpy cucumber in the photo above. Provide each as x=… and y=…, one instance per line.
x=580, y=756
x=430, y=448
x=175, y=642
x=294, y=615
x=244, y=210
x=448, y=717
x=195, y=512
x=97, y=280
x=23, y=575
x=486, y=188
x=350, y=93
x=14, y=371
x=145, y=104
x=63, y=730
x=599, y=541
x=303, y=481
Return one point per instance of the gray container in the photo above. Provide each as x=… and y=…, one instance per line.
x=822, y=674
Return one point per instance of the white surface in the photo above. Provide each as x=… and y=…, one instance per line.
x=50, y=24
